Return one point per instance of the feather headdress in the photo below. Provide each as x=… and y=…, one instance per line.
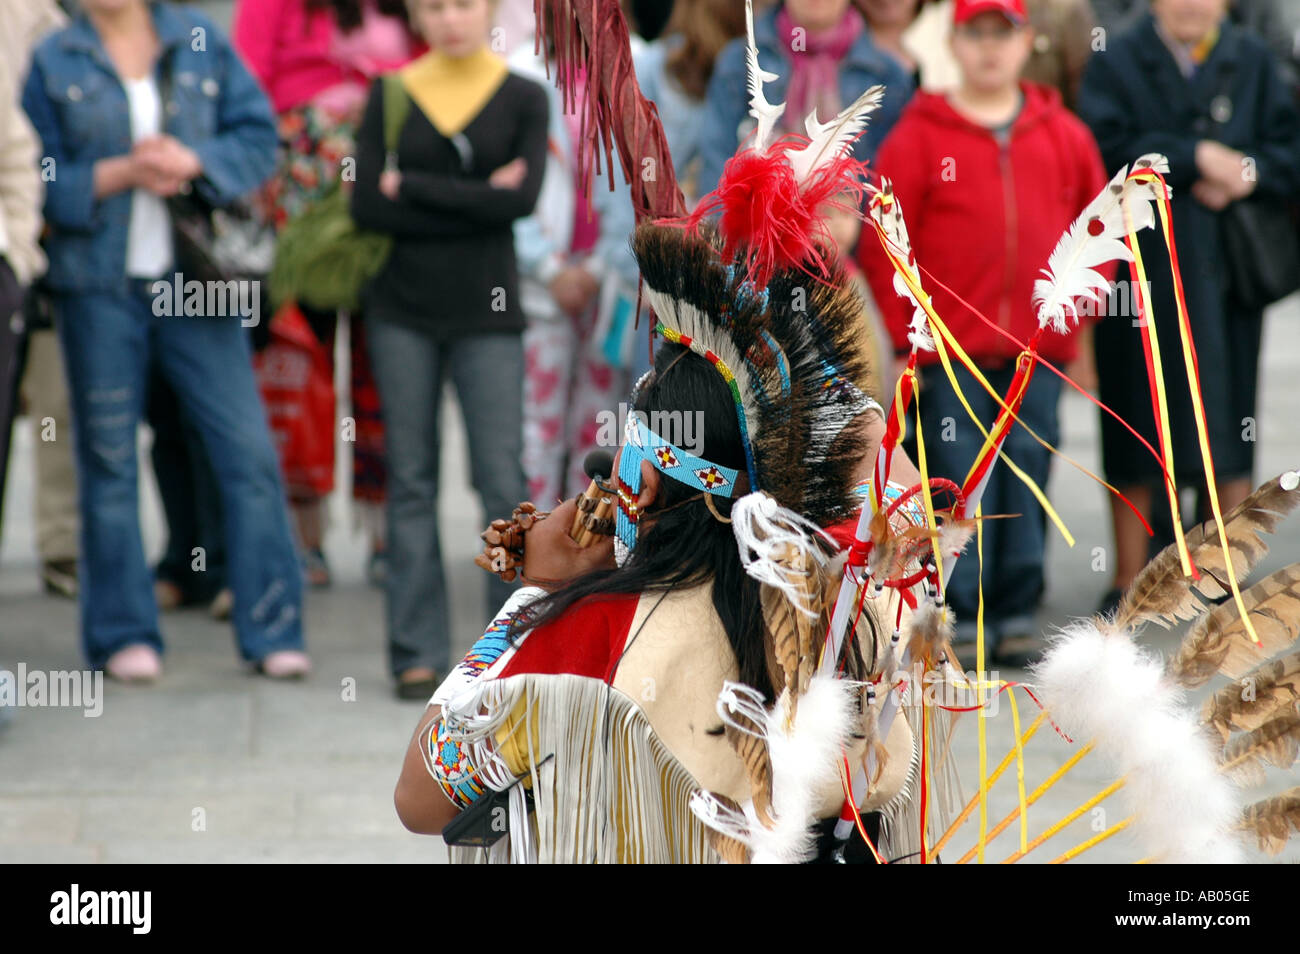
x=791, y=355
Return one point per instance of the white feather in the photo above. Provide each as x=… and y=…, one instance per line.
x=735, y=699
x=766, y=113
x=805, y=761
x=1101, y=686
x=1071, y=272
x=827, y=141
x=721, y=818
x=953, y=537
x=763, y=530
x=888, y=215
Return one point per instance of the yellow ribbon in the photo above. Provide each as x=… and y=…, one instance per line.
x=1077, y=850
x=1162, y=402
x=944, y=335
x=1202, y=436
x=925, y=486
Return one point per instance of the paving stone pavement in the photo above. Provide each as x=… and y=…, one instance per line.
x=216, y=765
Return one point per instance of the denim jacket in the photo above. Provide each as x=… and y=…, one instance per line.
x=725, y=120
x=79, y=107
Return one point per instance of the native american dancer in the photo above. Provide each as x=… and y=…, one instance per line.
x=722, y=677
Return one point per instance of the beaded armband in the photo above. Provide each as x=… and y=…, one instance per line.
x=451, y=766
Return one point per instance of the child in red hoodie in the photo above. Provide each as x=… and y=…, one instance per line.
x=989, y=176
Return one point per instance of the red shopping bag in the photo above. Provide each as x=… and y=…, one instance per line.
x=297, y=384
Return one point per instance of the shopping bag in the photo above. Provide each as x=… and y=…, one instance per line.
x=296, y=380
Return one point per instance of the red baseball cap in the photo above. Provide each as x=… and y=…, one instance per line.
x=1013, y=10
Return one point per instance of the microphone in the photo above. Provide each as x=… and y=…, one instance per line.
x=598, y=465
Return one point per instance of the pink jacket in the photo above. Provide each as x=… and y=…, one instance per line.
x=288, y=49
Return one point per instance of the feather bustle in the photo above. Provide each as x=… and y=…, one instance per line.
x=1161, y=594
x=1254, y=699
x=1219, y=642
x=1273, y=819
x=1276, y=743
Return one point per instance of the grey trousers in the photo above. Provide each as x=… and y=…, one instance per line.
x=410, y=366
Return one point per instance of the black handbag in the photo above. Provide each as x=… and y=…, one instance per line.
x=1261, y=247
x=1261, y=252
x=212, y=244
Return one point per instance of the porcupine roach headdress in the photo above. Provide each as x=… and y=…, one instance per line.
x=758, y=296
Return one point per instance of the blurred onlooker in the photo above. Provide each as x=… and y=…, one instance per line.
x=44, y=389
x=1116, y=16
x=446, y=306
x=891, y=22
x=1063, y=41
x=988, y=177
x=192, y=568
x=315, y=59
x=21, y=262
x=824, y=58
x=132, y=111
x=1277, y=22
x=1189, y=84
x=674, y=73
x=577, y=274
x=568, y=378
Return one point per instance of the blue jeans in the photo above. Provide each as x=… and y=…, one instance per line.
x=1013, y=549
x=410, y=366
x=109, y=341
x=190, y=499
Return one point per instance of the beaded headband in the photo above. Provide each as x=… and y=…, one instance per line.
x=641, y=443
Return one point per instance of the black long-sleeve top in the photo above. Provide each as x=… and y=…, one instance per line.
x=452, y=268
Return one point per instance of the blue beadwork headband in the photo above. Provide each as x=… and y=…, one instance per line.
x=641, y=443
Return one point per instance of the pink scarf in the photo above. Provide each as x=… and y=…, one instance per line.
x=815, y=65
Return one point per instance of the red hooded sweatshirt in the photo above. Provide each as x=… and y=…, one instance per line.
x=984, y=216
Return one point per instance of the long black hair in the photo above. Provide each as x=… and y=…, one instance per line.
x=680, y=543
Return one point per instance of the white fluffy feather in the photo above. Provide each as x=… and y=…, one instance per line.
x=953, y=537
x=1101, y=686
x=828, y=141
x=766, y=113
x=805, y=760
x=1071, y=272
